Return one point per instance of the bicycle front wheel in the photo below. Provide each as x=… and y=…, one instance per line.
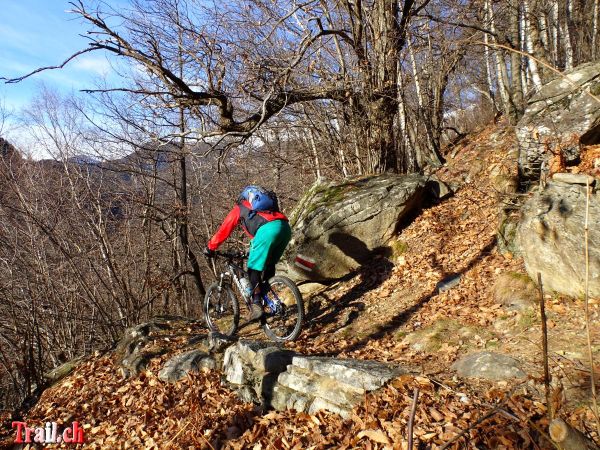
x=221, y=309
x=284, y=310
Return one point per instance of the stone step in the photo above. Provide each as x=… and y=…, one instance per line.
x=324, y=380
x=282, y=379
x=259, y=357
x=365, y=375
x=285, y=398
x=319, y=404
x=323, y=387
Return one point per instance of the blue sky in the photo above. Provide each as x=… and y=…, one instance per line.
x=36, y=33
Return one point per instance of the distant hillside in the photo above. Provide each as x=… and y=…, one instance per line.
x=8, y=150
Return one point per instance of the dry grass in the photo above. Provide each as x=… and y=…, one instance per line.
x=515, y=289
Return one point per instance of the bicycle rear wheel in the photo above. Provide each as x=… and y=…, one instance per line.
x=221, y=309
x=284, y=310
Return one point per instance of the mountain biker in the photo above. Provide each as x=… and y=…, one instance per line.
x=257, y=211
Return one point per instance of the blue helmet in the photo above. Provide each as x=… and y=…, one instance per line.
x=260, y=199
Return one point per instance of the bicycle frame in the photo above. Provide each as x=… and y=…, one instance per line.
x=277, y=324
x=231, y=271
x=230, y=276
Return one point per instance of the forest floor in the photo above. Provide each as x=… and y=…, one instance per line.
x=376, y=315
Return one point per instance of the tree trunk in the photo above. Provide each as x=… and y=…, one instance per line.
x=488, y=72
x=531, y=36
x=516, y=66
x=568, y=438
x=406, y=163
x=566, y=35
x=381, y=139
x=595, y=11
x=183, y=223
x=525, y=75
x=315, y=152
x=416, y=75
x=544, y=36
x=503, y=86
x=184, y=210
x=555, y=35
x=382, y=107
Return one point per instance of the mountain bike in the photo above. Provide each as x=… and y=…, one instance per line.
x=282, y=303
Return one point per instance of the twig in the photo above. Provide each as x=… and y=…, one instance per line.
x=587, y=305
x=545, y=349
x=411, y=419
x=470, y=427
x=181, y=431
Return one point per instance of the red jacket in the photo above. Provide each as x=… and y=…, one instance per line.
x=237, y=214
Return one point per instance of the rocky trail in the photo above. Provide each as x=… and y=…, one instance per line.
x=445, y=292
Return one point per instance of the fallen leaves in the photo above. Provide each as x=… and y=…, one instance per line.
x=375, y=435
x=144, y=412
x=381, y=422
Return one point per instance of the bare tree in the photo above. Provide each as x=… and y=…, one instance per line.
x=238, y=77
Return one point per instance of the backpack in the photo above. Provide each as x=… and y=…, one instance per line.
x=260, y=199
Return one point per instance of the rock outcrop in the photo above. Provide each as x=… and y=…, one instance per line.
x=284, y=380
x=252, y=368
x=489, y=366
x=258, y=371
x=340, y=226
x=551, y=235
x=558, y=118
x=313, y=383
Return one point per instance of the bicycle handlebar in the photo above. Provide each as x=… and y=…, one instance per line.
x=231, y=255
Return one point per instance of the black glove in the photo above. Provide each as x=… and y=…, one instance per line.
x=208, y=252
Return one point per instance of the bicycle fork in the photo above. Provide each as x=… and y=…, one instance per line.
x=222, y=301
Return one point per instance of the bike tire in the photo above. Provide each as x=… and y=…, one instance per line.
x=284, y=325
x=221, y=309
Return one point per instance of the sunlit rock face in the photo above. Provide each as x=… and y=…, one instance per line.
x=563, y=115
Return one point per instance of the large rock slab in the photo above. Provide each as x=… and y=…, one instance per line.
x=281, y=379
x=361, y=374
x=313, y=383
x=558, y=118
x=330, y=389
x=252, y=367
x=489, y=366
x=341, y=226
x=551, y=236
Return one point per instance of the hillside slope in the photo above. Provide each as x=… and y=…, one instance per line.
x=378, y=314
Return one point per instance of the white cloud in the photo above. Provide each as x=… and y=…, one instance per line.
x=17, y=39
x=97, y=65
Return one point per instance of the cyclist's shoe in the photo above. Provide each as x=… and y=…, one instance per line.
x=256, y=312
